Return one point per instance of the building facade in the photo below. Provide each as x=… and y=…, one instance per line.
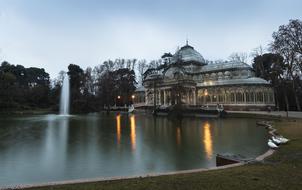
x=187, y=78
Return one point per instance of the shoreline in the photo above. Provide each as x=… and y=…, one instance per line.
x=230, y=114
x=259, y=158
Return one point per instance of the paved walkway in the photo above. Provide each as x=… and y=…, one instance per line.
x=291, y=114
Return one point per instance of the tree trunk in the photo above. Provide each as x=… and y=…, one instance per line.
x=286, y=99
x=296, y=96
x=276, y=99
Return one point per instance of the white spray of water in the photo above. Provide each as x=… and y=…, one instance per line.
x=64, y=101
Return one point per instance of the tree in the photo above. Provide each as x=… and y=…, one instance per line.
x=38, y=82
x=271, y=67
x=77, y=77
x=89, y=81
x=155, y=64
x=23, y=88
x=124, y=84
x=238, y=57
x=257, y=51
x=288, y=43
x=113, y=83
x=142, y=68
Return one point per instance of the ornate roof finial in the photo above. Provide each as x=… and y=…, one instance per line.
x=187, y=41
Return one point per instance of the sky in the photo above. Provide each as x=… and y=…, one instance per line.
x=54, y=33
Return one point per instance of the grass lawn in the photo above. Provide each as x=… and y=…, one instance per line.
x=283, y=170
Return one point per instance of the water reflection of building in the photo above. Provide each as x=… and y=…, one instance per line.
x=118, y=128
x=232, y=84
x=207, y=140
x=178, y=136
x=133, y=132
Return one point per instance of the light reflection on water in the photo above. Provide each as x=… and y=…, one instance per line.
x=51, y=148
x=118, y=128
x=207, y=140
x=132, y=132
x=178, y=135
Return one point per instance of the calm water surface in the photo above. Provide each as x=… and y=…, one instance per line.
x=35, y=149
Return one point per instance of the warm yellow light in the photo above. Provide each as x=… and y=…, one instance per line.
x=132, y=132
x=206, y=92
x=118, y=128
x=132, y=96
x=118, y=97
x=207, y=140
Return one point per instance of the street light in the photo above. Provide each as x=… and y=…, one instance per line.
x=133, y=96
x=118, y=100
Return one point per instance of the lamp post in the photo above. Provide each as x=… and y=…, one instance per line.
x=118, y=98
x=133, y=96
x=205, y=97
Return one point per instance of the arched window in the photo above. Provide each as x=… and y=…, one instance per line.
x=227, y=96
x=247, y=96
x=200, y=97
x=214, y=98
x=239, y=97
x=201, y=100
x=265, y=97
x=208, y=99
x=250, y=97
x=260, y=97
x=232, y=97
x=271, y=97
x=221, y=98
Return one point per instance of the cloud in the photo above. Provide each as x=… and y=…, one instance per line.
x=54, y=35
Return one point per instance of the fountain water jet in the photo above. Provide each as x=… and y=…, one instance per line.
x=64, y=101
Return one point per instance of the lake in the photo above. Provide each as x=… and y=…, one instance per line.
x=46, y=148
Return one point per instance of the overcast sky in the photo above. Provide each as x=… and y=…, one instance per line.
x=54, y=33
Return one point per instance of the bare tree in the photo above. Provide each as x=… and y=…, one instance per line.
x=155, y=64
x=142, y=67
x=119, y=63
x=109, y=65
x=258, y=51
x=238, y=57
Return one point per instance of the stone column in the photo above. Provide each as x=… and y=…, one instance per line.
x=188, y=97
x=194, y=97
x=244, y=96
x=158, y=99
x=164, y=97
x=170, y=97
x=154, y=97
